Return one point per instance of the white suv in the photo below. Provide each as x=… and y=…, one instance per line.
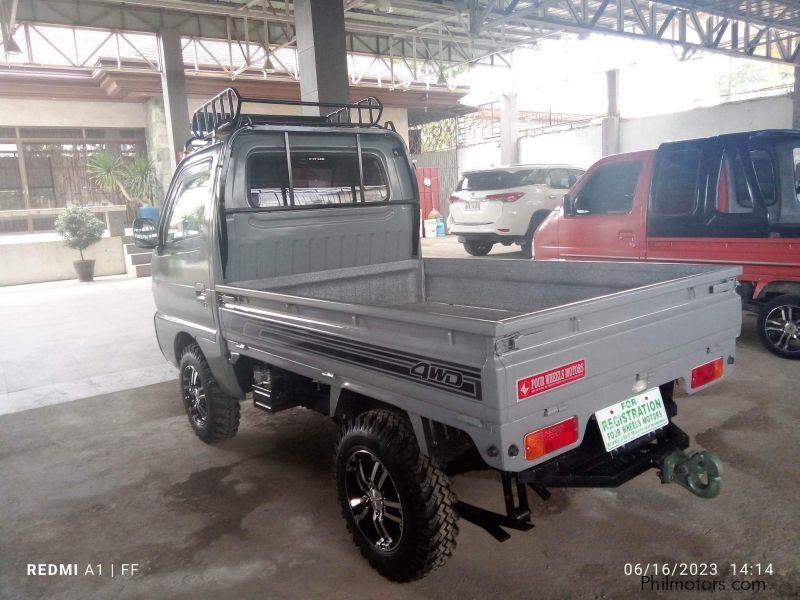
x=506, y=204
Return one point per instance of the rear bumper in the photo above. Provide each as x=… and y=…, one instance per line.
x=492, y=238
x=516, y=229
x=589, y=465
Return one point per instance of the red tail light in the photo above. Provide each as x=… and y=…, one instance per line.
x=454, y=198
x=549, y=439
x=506, y=197
x=708, y=372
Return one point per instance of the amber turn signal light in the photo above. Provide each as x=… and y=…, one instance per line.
x=551, y=438
x=707, y=372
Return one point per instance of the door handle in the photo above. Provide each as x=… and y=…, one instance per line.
x=627, y=236
x=200, y=292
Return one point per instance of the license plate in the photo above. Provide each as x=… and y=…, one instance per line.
x=631, y=419
x=472, y=206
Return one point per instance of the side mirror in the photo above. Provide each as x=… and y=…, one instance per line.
x=569, y=204
x=145, y=233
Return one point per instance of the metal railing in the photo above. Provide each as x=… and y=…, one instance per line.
x=42, y=220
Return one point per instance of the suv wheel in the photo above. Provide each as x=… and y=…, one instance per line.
x=397, y=503
x=779, y=326
x=213, y=415
x=477, y=247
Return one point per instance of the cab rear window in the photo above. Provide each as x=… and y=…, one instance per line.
x=317, y=179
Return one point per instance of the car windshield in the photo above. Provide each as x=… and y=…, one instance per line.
x=495, y=180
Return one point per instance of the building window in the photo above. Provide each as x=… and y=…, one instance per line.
x=48, y=168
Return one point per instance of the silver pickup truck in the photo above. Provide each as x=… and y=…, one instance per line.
x=287, y=269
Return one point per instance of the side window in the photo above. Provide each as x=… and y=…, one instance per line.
x=559, y=179
x=574, y=176
x=536, y=177
x=733, y=194
x=765, y=175
x=188, y=209
x=609, y=190
x=675, y=192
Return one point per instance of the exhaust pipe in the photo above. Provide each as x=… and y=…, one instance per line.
x=698, y=472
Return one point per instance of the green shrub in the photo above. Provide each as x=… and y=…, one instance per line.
x=79, y=228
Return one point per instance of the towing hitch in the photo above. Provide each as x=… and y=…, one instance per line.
x=698, y=472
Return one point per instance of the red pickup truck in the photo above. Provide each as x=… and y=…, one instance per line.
x=730, y=199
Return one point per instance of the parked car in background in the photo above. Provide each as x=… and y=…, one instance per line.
x=731, y=199
x=505, y=205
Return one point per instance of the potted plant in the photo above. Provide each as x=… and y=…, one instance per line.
x=80, y=229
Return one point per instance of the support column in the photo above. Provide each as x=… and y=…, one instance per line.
x=173, y=89
x=159, y=148
x=796, y=99
x=509, y=129
x=610, y=124
x=321, y=51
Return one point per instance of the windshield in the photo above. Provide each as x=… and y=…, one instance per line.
x=498, y=180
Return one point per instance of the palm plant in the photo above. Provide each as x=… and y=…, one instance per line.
x=134, y=178
x=139, y=176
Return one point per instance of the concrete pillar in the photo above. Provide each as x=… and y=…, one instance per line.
x=796, y=99
x=612, y=83
x=321, y=51
x=173, y=90
x=159, y=148
x=509, y=129
x=611, y=123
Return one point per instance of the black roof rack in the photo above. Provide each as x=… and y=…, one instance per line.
x=224, y=111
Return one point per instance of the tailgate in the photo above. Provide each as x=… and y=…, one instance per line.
x=473, y=208
x=579, y=359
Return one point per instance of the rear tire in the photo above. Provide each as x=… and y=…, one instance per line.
x=779, y=326
x=477, y=247
x=397, y=503
x=213, y=415
x=527, y=245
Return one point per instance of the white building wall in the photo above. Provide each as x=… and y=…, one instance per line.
x=579, y=147
x=19, y=112
x=582, y=146
x=479, y=156
x=747, y=115
x=43, y=257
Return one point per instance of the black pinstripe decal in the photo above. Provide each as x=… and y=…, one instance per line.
x=444, y=375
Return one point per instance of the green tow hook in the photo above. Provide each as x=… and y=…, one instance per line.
x=698, y=472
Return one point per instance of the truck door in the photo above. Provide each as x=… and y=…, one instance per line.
x=181, y=263
x=603, y=216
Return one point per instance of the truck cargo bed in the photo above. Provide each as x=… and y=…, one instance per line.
x=483, y=289
x=454, y=338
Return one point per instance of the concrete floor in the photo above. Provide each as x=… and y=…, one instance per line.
x=120, y=478
x=61, y=341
